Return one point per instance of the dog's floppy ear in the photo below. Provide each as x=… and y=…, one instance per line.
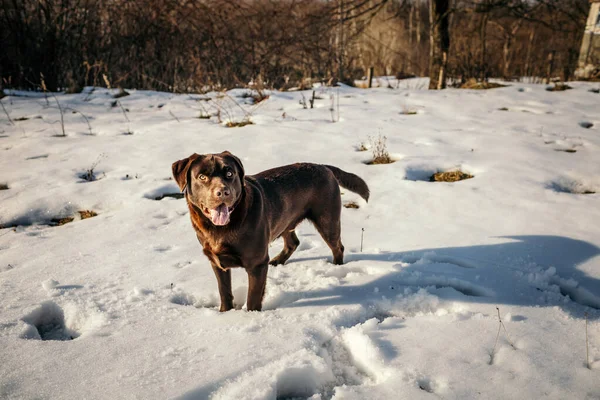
x=180, y=170
x=237, y=162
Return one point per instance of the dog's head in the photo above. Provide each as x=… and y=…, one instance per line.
x=212, y=182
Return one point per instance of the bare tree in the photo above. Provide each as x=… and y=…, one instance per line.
x=439, y=42
x=195, y=45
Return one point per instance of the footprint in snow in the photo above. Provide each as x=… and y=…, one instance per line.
x=429, y=385
x=50, y=321
x=306, y=245
x=181, y=264
x=163, y=248
x=182, y=299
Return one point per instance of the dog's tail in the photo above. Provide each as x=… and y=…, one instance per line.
x=351, y=182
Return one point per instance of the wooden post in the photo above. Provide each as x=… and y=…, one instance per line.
x=370, y=77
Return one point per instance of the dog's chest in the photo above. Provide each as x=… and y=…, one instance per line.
x=222, y=253
x=216, y=247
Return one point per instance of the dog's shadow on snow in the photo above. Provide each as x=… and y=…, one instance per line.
x=518, y=272
x=526, y=271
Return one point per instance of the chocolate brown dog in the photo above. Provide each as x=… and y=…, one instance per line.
x=236, y=216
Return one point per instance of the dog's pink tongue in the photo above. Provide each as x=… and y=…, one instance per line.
x=220, y=215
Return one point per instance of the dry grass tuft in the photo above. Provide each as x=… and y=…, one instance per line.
x=475, y=85
x=362, y=147
x=85, y=214
x=558, y=87
x=380, y=160
x=122, y=93
x=176, y=195
x=235, y=124
x=256, y=95
x=380, y=151
x=351, y=204
x=90, y=175
x=406, y=110
x=450, y=176
x=61, y=221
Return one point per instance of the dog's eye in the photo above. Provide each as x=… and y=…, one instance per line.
x=229, y=174
x=202, y=177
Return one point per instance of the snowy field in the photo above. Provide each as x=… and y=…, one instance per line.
x=127, y=303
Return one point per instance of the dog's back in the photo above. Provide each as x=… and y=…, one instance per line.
x=305, y=191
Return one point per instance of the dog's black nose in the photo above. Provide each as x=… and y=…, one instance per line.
x=222, y=192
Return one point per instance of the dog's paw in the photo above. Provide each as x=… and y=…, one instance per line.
x=275, y=262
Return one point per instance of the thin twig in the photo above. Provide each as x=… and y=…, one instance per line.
x=86, y=120
x=587, y=347
x=331, y=107
x=126, y=117
x=495, y=344
x=361, y=239
x=62, y=117
x=6, y=112
x=173, y=115
x=44, y=89
x=338, y=104
x=505, y=331
x=123, y=109
x=303, y=101
x=500, y=326
x=80, y=113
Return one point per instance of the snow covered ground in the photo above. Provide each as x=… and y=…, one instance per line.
x=127, y=304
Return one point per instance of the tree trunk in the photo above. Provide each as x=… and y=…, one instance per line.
x=550, y=67
x=529, y=48
x=509, y=38
x=341, y=42
x=418, y=31
x=506, y=56
x=483, y=53
x=439, y=40
x=410, y=25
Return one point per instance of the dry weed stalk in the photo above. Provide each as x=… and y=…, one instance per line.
x=60, y=109
x=587, y=344
x=7, y=114
x=380, y=151
x=500, y=326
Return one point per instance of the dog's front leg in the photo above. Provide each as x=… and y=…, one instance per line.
x=257, y=281
x=224, y=281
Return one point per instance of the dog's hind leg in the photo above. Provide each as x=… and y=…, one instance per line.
x=290, y=243
x=329, y=227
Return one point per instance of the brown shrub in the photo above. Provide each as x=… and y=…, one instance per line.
x=85, y=214
x=450, y=176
